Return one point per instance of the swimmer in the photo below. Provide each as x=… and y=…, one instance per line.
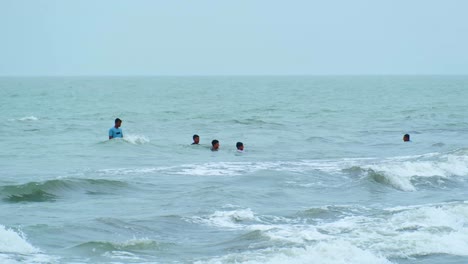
x=214, y=145
x=240, y=147
x=196, y=139
x=406, y=138
x=116, y=131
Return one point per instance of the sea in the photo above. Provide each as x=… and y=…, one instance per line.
x=325, y=176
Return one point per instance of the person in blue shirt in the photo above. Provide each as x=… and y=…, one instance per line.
x=116, y=131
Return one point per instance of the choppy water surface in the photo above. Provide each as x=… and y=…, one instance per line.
x=325, y=178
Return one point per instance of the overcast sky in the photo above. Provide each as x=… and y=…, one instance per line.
x=216, y=37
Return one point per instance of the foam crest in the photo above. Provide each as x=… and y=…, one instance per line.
x=214, y=169
x=402, y=232
x=136, y=139
x=295, y=233
x=226, y=219
x=129, y=250
x=239, y=168
x=331, y=252
x=28, y=118
x=401, y=174
x=121, y=255
x=24, y=119
x=434, y=229
x=129, y=245
x=12, y=242
x=445, y=166
x=128, y=171
x=14, y=249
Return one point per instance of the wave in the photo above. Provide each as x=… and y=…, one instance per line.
x=376, y=237
x=51, y=190
x=337, y=252
x=405, y=173
x=231, y=168
x=239, y=168
x=130, y=245
x=125, y=251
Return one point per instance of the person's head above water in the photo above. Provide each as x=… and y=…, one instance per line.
x=196, y=139
x=118, y=122
x=406, y=138
x=240, y=146
x=214, y=145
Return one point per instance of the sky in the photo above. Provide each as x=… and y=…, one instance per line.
x=242, y=37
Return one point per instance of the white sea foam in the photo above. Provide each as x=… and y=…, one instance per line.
x=121, y=255
x=25, y=119
x=239, y=168
x=430, y=229
x=128, y=171
x=12, y=242
x=14, y=249
x=443, y=166
x=400, y=173
x=28, y=118
x=229, y=168
x=289, y=233
x=395, y=233
x=226, y=219
x=136, y=139
x=331, y=252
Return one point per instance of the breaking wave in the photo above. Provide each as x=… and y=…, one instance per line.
x=51, y=190
x=392, y=233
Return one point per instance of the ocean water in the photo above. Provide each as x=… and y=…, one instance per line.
x=325, y=176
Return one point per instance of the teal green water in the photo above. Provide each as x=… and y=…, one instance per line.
x=325, y=176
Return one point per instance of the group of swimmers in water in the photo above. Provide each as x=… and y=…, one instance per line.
x=116, y=132
x=215, y=144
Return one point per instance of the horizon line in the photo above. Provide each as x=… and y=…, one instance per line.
x=235, y=75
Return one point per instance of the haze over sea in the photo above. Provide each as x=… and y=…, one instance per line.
x=325, y=177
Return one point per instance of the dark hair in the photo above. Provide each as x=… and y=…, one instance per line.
x=214, y=142
x=406, y=137
x=117, y=120
x=195, y=136
x=238, y=144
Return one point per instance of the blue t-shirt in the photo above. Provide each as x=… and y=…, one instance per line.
x=115, y=132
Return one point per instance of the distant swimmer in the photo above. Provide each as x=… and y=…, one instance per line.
x=116, y=131
x=214, y=145
x=240, y=147
x=406, y=138
x=196, y=139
